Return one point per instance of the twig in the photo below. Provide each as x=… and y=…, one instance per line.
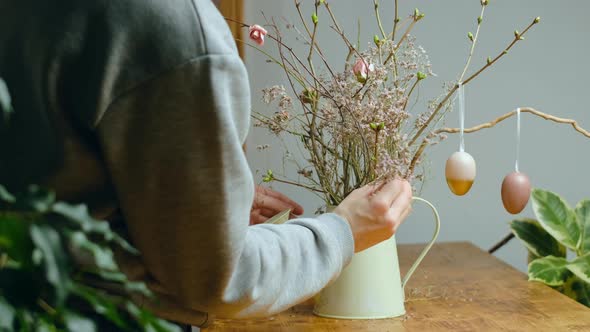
x=45, y=306
x=3, y=260
x=395, y=21
x=492, y=123
x=531, y=110
x=501, y=243
x=474, y=41
x=298, y=185
x=404, y=36
x=490, y=63
x=487, y=65
x=283, y=64
x=410, y=93
x=273, y=59
x=376, y=6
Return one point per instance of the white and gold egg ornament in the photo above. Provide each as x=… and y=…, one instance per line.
x=460, y=167
x=460, y=171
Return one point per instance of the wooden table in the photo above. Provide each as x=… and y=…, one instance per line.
x=458, y=287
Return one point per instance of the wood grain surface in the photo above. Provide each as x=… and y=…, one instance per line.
x=458, y=287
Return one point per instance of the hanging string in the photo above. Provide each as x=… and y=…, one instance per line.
x=461, y=93
x=517, y=138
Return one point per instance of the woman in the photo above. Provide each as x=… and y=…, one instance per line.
x=139, y=108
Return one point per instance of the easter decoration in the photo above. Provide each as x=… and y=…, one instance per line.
x=516, y=187
x=460, y=167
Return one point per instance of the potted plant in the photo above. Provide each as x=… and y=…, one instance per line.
x=558, y=229
x=57, y=266
x=55, y=260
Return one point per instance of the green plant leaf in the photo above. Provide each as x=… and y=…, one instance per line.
x=80, y=216
x=7, y=314
x=583, y=214
x=149, y=321
x=549, y=270
x=25, y=320
x=101, y=304
x=536, y=239
x=103, y=256
x=576, y=289
x=130, y=286
x=76, y=323
x=36, y=198
x=48, y=242
x=5, y=100
x=581, y=267
x=14, y=238
x=6, y=196
x=44, y=325
x=556, y=217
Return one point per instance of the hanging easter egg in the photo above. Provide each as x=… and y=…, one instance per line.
x=516, y=190
x=460, y=172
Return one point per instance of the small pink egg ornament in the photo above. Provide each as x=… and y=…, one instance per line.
x=516, y=190
x=460, y=172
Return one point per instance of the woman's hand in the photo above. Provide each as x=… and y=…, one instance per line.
x=376, y=211
x=268, y=203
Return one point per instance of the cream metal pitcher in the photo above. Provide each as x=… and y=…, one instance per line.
x=370, y=287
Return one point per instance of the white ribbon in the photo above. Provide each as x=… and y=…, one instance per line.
x=461, y=93
x=517, y=138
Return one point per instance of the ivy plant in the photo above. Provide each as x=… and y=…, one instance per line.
x=557, y=230
x=43, y=284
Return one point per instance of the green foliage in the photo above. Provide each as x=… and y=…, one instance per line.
x=557, y=228
x=5, y=101
x=549, y=270
x=268, y=177
x=583, y=215
x=557, y=217
x=536, y=239
x=44, y=286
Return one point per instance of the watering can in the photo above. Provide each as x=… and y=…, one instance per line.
x=371, y=287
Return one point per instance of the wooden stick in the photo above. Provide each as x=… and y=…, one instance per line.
x=502, y=243
x=531, y=110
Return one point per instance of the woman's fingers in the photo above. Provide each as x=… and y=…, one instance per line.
x=277, y=202
x=384, y=197
x=256, y=218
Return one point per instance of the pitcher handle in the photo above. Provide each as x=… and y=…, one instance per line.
x=428, y=246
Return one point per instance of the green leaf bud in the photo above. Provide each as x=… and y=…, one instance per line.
x=314, y=18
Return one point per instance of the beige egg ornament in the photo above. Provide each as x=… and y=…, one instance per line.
x=516, y=190
x=460, y=172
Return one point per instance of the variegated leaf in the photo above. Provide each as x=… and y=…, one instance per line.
x=583, y=214
x=576, y=289
x=581, y=267
x=549, y=270
x=536, y=239
x=556, y=217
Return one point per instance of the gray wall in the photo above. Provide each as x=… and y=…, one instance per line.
x=548, y=71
